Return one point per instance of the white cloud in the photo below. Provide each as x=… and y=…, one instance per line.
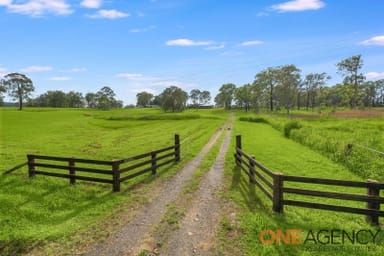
x=109, y=14
x=38, y=7
x=74, y=70
x=36, y=69
x=91, y=3
x=376, y=40
x=187, y=42
x=60, y=78
x=215, y=47
x=5, y=2
x=298, y=5
x=374, y=75
x=251, y=43
x=168, y=83
x=131, y=76
x=232, y=53
x=137, y=30
x=140, y=30
x=155, y=82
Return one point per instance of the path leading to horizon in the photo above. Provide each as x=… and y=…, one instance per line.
x=197, y=229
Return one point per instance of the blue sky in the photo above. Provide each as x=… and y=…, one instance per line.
x=136, y=45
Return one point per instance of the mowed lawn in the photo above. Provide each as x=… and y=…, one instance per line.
x=46, y=208
x=281, y=154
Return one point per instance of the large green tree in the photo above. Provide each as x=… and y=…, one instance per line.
x=312, y=84
x=204, y=98
x=54, y=99
x=173, y=99
x=143, y=99
x=59, y=99
x=288, y=81
x=194, y=95
x=380, y=92
x=350, y=68
x=105, y=98
x=18, y=86
x=267, y=80
x=199, y=98
x=91, y=99
x=74, y=99
x=225, y=96
x=243, y=96
x=2, y=90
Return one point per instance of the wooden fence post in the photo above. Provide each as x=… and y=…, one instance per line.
x=153, y=162
x=278, y=193
x=373, y=190
x=72, y=171
x=116, y=176
x=177, y=148
x=252, y=170
x=238, y=141
x=31, y=166
x=238, y=146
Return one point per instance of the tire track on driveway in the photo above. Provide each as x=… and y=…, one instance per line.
x=130, y=239
x=197, y=234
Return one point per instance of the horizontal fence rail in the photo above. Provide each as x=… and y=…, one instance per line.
x=111, y=172
x=274, y=186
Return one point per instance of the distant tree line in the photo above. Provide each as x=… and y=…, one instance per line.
x=103, y=99
x=273, y=88
x=20, y=87
x=174, y=99
x=283, y=87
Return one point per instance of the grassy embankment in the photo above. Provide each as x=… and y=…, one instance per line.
x=44, y=209
x=331, y=137
x=281, y=154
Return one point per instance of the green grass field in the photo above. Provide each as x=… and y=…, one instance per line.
x=43, y=210
x=46, y=209
x=281, y=154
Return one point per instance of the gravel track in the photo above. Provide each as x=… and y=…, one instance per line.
x=131, y=239
x=197, y=232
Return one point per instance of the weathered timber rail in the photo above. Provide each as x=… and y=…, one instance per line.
x=274, y=186
x=112, y=172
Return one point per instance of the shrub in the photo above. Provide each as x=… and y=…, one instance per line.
x=254, y=120
x=289, y=126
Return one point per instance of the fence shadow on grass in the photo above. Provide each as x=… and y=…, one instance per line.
x=248, y=191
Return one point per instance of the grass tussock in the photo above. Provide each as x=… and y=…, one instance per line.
x=254, y=120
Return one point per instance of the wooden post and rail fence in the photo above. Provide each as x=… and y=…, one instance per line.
x=273, y=185
x=112, y=172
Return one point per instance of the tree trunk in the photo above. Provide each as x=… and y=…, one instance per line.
x=271, y=98
x=354, y=101
x=298, y=100
x=355, y=92
x=20, y=102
